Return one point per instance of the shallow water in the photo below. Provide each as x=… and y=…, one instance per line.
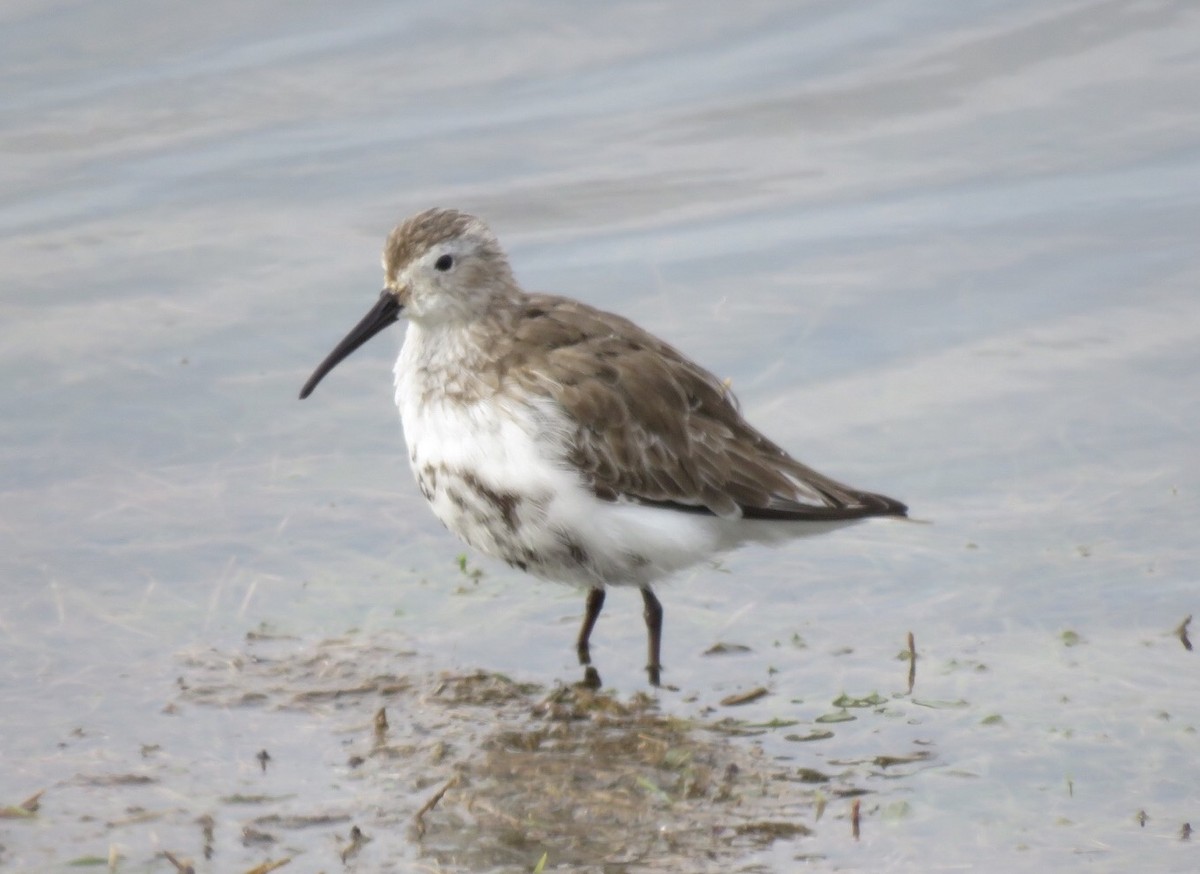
x=946, y=254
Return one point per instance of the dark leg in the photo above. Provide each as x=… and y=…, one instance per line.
x=653, y=615
x=595, y=603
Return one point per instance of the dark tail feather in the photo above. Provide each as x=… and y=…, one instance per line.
x=865, y=505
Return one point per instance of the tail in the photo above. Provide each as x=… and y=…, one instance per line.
x=842, y=504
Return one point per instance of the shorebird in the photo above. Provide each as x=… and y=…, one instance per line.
x=569, y=442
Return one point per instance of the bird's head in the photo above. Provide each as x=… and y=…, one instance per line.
x=441, y=267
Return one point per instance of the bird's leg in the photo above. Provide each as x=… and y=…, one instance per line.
x=595, y=603
x=653, y=614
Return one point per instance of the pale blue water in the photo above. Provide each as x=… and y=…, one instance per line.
x=946, y=253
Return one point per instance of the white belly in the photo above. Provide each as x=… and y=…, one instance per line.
x=495, y=472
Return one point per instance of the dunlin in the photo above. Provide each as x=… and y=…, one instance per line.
x=569, y=442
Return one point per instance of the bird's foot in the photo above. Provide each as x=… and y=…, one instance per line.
x=591, y=679
x=655, y=673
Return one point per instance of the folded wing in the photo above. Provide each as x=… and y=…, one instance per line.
x=656, y=428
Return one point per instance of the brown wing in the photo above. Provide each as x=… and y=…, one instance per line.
x=655, y=427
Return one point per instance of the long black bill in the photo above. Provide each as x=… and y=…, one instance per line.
x=381, y=315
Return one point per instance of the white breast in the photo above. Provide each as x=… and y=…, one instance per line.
x=495, y=470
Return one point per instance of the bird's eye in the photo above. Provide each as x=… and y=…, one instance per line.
x=444, y=263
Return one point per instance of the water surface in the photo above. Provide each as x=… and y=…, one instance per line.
x=947, y=254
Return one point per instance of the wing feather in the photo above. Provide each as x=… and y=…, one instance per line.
x=654, y=427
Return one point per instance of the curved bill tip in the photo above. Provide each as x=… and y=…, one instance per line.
x=384, y=313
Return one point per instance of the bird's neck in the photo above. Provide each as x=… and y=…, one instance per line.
x=447, y=359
